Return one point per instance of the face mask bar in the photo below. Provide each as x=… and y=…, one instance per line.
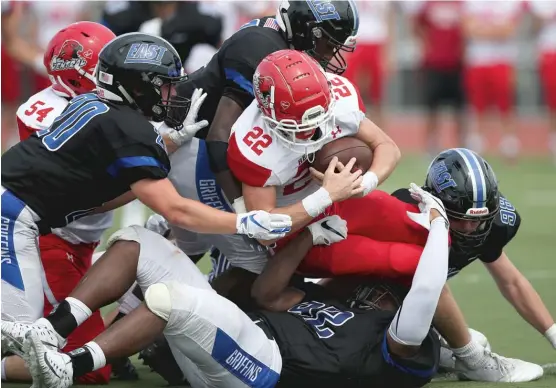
x=171, y=109
x=287, y=129
x=465, y=241
x=337, y=63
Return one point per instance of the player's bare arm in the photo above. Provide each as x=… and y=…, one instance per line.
x=524, y=298
x=271, y=290
x=386, y=153
x=227, y=112
x=115, y=203
x=336, y=186
x=161, y=196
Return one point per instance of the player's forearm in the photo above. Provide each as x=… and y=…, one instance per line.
x=411, y=324
x=527, y=303
x=386, y=153
x=15, y=370
x=200, y=218
x=449, y=320
x=271, y=288
x=227, y=112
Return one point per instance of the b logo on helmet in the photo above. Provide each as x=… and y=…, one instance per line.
x=145, y=53
x=323, y=10
x=70, y=55
x=441, y=178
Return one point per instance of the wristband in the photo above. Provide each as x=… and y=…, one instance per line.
x=370, y=182
x=317, y=202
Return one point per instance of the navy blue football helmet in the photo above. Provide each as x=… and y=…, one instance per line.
x=468, y=188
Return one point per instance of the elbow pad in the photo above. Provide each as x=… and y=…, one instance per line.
x=217, y=154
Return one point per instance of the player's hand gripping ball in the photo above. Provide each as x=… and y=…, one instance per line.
x=344, y=149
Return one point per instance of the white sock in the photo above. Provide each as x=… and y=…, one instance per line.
x=470, y=354
x=78, y=309
x=4, y=369
x=99, y=359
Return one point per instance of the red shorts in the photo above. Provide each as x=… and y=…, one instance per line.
x=367, y=58
x=382, y=240
x=490, y=85
x=11, y=84
x=548, y=78
x=64, y=265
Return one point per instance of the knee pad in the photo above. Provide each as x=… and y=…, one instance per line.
x=159, y=301
x=129, y=233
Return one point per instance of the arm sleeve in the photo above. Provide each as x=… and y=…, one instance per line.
x=412, y=322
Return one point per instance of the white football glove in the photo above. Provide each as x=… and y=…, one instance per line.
x=190, y=125
x=427, y=201
x=158, y=224
x=328, y=231
x=263, y=225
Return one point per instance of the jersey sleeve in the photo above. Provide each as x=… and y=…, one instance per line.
x=38, y=113
x=137, y=157
x=247, y=171
x=506, y=225
x=238, y=62
x=349, y=110
x=414, y=371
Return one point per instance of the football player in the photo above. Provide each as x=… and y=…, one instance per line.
x=482, y=223
x=66, y=253
x=218, y=345
x=298, y=109
x=324, y=29
x=99, y=148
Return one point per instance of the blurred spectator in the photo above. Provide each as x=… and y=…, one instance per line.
x=123, y=17
x=490, y=61
x=370, y=64
x=437, y=26
x=46, y=19
x=183, y=25
x=233, y=15
x=545, y=18
x=11, y=15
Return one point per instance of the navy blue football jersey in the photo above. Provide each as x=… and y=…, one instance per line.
x=90, y=155
x=230, y=71
x=325, y=343
x=504, y=228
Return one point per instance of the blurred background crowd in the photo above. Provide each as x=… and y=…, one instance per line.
x=480, y=74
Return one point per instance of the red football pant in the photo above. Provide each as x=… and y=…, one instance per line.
x=490, y=85
x=64, y=265
x=382, y=240
x=367, y=58
x=548, y=78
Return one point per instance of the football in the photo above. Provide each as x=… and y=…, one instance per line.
x=344, y=148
